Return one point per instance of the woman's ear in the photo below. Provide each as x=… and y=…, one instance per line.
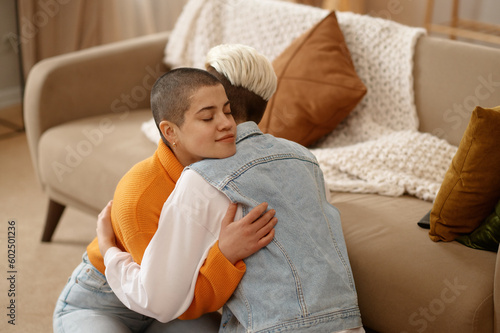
x=169, y=131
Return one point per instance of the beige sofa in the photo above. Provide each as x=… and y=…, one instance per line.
x=83, y=114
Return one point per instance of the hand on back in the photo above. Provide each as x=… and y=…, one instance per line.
x=242, y=238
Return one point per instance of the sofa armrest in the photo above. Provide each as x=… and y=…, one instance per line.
x=450, y=79
x=112, y=78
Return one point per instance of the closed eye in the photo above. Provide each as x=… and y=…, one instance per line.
x=227, y=108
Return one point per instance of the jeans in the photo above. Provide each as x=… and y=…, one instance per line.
x=87, y=304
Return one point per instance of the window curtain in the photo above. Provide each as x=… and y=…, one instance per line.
x=51, y=27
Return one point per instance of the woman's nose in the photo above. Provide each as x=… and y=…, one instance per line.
x=226, y=122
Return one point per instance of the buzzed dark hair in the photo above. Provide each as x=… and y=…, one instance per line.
x=245, y=104
x=170, y=96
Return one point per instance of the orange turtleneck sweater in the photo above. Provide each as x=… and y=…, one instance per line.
x=137, y=204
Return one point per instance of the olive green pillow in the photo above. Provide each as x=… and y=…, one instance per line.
x=471, y=186
x=487, y=236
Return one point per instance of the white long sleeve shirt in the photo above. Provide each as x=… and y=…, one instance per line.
x=162, y=287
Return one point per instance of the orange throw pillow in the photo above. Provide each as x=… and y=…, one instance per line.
x=317, y=85
x=471, y=186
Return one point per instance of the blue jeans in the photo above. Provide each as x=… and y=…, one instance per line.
x=87, y=304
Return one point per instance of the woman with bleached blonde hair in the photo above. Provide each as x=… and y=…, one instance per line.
x=248, y=77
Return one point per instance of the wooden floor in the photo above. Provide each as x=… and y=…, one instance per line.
x=42, y=268
x=11, y=121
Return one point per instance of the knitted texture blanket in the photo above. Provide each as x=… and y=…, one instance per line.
x=377, y=148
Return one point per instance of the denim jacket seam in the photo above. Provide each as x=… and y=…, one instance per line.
x=298, y=284
x=262, y=160
x=343, y=313
x=334, y=241
x=239, y=290
x=251, y=131
x=342, y=259
x=236, y=189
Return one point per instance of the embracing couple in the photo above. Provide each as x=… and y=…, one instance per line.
x=221, y=215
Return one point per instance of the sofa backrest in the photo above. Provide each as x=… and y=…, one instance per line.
x=451, y=78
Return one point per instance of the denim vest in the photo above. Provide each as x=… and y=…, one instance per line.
x=302, y=281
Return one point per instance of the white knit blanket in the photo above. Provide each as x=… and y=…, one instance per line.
x=377, y=148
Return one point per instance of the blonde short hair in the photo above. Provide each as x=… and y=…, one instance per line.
x=243, y=66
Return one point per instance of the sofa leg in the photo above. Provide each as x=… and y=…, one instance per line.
x=54, y=213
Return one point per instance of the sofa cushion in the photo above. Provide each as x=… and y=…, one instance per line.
x=83, y=160
x=405, y=282
x=471, y=186
x=317, y=85
x=487, y=235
